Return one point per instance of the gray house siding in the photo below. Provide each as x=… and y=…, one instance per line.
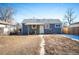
x=24, y=29
x=56, y=30
x=49, y=31
x=51, y=26
x=52, y=29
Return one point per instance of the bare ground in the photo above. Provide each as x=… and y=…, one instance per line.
x=59, y=45
x=30, y=45
x=19, y=45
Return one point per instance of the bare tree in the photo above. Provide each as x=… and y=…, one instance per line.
x=70, y=16
x=6, y=13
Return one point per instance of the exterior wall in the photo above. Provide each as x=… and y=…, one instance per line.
x=58, y=30
x=34, y=30
x=53, y=29
x=48, y=30
x=1, y=25
x=1, y=31
x=24, y=29
x=4, y=30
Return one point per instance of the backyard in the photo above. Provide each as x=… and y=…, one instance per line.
x=38, y=45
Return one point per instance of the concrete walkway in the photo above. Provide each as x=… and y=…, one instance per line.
x=42, y=49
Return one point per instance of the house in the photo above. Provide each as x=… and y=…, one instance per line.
x=41, y=26
x=6, y=28
x=74, y=28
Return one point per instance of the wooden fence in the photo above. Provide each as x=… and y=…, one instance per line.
x=74, y=30
x=71, y=30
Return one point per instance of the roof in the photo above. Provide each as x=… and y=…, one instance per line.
x=5, y=23
x=75, y=24
x=41, y=21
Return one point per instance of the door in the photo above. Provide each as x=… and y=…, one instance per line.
x=41, y=29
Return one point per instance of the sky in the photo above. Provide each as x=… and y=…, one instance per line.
x=41, y=10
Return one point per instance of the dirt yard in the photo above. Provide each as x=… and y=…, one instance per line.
x=59, y=45
x=23, y=45
x=30, y=45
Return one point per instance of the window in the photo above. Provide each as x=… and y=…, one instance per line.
x=57, y=25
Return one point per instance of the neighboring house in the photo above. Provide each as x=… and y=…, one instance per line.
x=74, y=28
x=41, y=26
x=6, y=28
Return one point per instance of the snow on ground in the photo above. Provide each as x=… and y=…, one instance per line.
x=73, y=37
